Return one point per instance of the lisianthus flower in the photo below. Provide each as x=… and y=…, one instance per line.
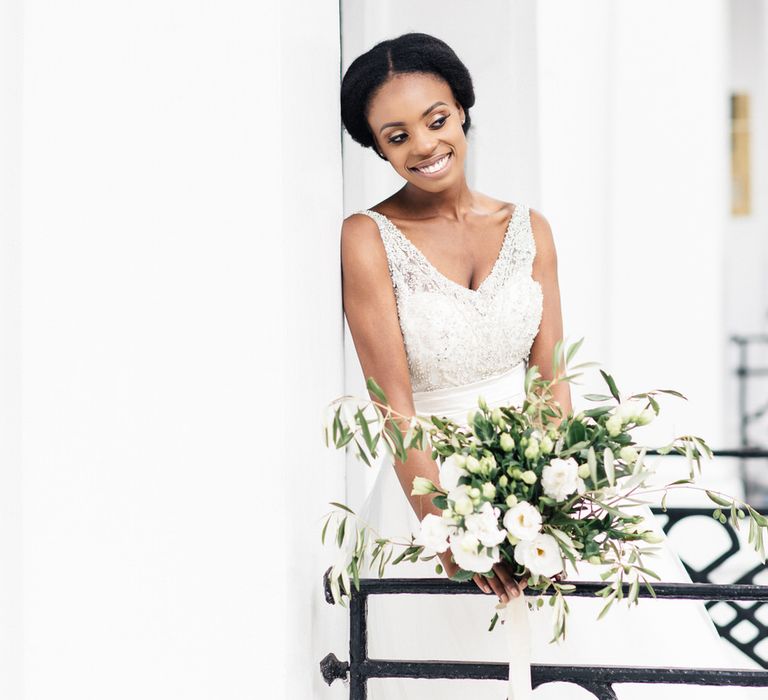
x=523, y=521
x=450, y=473
x=541, y=555
x=560, y=478
x=465, y=546
x=485, y=525
x=433, y=534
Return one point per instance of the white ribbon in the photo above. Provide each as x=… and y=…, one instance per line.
x=517, y=630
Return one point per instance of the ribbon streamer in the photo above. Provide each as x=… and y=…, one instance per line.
x=517, y=630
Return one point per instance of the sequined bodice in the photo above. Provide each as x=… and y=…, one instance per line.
x=455, y=335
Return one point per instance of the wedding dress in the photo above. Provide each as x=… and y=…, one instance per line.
x=462, y=343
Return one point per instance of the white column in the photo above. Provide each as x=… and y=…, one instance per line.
x=11, y=682
x=181, y=333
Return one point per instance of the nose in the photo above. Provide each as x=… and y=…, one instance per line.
x=425, y=142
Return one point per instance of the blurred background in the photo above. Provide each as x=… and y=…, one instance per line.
x=173, y=178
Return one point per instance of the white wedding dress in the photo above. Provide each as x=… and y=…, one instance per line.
x=462, y=343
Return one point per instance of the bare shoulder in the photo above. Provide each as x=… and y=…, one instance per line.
x=362, y=250
x=542, y=235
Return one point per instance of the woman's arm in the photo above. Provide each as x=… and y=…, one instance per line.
x=371, y=311
x=551, y=328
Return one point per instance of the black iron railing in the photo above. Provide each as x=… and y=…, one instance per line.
x=598, y=680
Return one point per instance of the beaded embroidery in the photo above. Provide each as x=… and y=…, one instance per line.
x=454, y=335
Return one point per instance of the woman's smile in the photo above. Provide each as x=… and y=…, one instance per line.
x=436, y=169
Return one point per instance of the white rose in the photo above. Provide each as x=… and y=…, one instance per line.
x=450, y=473
x=464, y=547
x=485, y=525
x=560, y=478
x=523, y=521
x=541, y=555
x=433, y=534
x=462, y=503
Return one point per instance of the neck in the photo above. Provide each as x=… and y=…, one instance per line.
x=452, y=203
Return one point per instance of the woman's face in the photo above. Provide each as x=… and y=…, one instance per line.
x=416, y=122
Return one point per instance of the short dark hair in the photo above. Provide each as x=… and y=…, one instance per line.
x=413, y=52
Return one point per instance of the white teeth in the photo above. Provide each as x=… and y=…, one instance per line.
x=438, y=165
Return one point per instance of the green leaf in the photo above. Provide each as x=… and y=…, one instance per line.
x=597, y=397
x=573, y=350
x=342, y=506
x=325, y=528
x=376, y=390
x=340, y=531
x=608, y=464
x=494, y=620
x=611, y=385
x=462, y=575
x=719, y=500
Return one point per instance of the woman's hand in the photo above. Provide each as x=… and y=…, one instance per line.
x=503, y=584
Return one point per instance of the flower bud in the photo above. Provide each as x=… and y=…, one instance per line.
x=584, y=471
x=471, y=418
x=546, y=445
x=645, y=416
x=482, y=403
x=628, y=454
x=497, y=417
x=594, y=559
x=529, y=477
x=506, y=442
x=473, y=465
x=511, y=500
x=463, y=506
x=503, y=481
x=422, y=486
x=532, y=451
x=489, y=491
x=512, y=539
x=651, y=537
x=474, y=493
x=613, y=425
x=460, y=461
x=517, y=474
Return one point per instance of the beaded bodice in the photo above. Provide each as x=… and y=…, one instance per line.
x=454, y=335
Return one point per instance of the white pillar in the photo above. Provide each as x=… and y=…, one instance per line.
x=181, y=211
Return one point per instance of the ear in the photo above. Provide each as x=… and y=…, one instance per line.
x=462, y=116
x=377, y=148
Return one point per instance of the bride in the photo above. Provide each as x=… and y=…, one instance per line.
x=450, y=294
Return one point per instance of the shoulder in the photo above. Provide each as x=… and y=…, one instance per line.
x=362, y=249
x=542, y=236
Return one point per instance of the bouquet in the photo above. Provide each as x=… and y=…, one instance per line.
x=526, y=485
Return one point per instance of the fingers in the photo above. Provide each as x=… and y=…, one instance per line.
x=481, y=583
x=498, y=587
x=508, y=582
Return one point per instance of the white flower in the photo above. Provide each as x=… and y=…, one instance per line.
x=541, y=555
x=485, y=525
x=523, y=521
x=450, y=472
x=462, y=502
x=433, y=534
x=560, y=478
x=613, y=425
x=464, y=547
x=629, y=410
x=489, y=491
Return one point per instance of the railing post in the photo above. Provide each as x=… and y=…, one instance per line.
x=358, y=645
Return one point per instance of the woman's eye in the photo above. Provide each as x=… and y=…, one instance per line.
x=437, y=124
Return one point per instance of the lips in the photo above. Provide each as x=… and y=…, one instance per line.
x=429, y=162
x=443, y=160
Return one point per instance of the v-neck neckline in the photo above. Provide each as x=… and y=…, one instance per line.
x=417, y=251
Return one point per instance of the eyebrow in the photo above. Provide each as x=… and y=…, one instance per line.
x=423, y=114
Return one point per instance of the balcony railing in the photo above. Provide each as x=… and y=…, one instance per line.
x=598, y=680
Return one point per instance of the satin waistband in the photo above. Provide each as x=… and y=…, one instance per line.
x=455, y=402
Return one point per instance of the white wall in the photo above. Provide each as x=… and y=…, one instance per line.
x=181, y=334
x=10, y=349
x=635, y=181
